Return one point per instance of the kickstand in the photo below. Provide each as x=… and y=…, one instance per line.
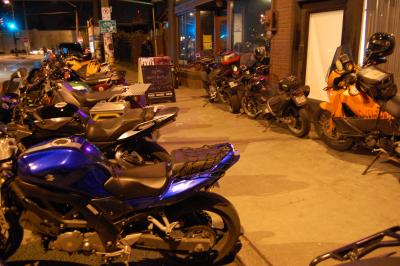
x=380, y=152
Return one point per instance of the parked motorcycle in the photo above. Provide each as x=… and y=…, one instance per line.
x=363, y=106
x=221, y=80
x=78, y=202
x=285, y=102
x=129, y=138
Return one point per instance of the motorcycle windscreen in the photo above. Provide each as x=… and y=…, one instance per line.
x=341, y=51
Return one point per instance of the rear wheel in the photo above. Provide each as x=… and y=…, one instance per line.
x=301, y=124
x=207, y=215
x=249, y=107
x=233, y=103
x=330, y=135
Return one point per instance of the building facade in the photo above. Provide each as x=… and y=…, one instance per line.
x=309, y=31
x=207, y=26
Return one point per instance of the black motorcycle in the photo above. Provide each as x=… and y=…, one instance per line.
x=285, y=102
x=129, y=139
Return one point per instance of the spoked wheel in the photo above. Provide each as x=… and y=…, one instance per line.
x=329, y=135
x=249, y=107
x=208, y=216
x=300, y=124
x=11, y=234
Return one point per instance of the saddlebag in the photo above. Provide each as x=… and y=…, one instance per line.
x=376, y=83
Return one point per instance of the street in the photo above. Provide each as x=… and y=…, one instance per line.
x=296, y=197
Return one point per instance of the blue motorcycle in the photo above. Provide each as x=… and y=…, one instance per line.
x=67, y=192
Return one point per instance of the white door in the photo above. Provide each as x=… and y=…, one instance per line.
x=324, y=36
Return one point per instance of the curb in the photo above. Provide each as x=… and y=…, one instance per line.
x=249, y=254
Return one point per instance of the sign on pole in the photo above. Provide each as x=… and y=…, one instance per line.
x=108, y=26
x=106, y=13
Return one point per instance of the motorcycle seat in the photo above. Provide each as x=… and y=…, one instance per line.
x=109, y=130
x=138, y=182
x=189, y=161
x=392, y=106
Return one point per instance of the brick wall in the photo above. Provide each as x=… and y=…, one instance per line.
x=282, y=42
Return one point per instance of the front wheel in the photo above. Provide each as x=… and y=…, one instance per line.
x=11, y=234
x=207, y=215
x=300, y=123
x=233, y=103
x=329, y=135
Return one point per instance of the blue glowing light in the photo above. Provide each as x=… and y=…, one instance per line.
x=12, y=26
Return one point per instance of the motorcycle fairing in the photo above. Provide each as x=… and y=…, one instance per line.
x=361, y=105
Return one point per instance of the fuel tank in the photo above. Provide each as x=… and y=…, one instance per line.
x=67, y=163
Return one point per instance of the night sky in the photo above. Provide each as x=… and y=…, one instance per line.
x=39, y=13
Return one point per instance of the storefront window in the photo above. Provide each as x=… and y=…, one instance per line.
x=207, y=30
x=187, y=38
x=247, y=29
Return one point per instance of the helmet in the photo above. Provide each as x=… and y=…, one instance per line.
x=230, y=58
x=380, y=45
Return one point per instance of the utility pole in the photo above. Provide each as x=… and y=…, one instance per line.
x=96, y=30
x=14, y=27
x=76, y=19
x=107, y=36
x=27, y=43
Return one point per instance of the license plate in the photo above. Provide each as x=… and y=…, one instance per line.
x=232, y=84
x=300, y=99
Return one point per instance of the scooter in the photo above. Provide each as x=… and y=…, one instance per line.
x=66, y=192
x=363, y=106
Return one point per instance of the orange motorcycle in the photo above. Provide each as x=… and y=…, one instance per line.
x=363, y=106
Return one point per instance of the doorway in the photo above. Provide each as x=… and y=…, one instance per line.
x=324, y=36
x=221, y=33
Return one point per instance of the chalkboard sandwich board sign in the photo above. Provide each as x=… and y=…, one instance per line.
x=157, y=72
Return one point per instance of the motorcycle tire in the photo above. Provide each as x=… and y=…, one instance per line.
x=233, y=103
x=250, y=112
x=194, y=213
x=302, y=124
x=15, y=235
x=342, y=144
